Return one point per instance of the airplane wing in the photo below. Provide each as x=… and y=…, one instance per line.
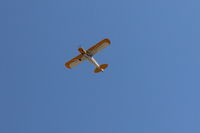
x=99, y=46
x=75, y=61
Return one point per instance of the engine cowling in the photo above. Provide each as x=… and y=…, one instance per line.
x=82, y=51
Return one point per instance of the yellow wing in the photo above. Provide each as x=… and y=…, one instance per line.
x=99, y=46
x=75, y=61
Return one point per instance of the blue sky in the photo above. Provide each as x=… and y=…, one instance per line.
x=151, y=85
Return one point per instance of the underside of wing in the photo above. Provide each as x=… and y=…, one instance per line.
x=99, y=46
x=75, y=61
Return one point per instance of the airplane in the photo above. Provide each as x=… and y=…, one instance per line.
x=88, y=55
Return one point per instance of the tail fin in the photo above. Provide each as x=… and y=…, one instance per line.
x=101, y=68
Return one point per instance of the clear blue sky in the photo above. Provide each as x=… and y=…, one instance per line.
x=151, y=86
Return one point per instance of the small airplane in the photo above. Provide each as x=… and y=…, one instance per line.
x=88, y=55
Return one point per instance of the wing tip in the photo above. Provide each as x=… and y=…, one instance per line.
x=107, y=40
x=67, y=64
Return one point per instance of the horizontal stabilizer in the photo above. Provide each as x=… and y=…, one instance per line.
x=101, y=68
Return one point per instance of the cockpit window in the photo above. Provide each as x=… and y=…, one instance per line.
x=89, y=54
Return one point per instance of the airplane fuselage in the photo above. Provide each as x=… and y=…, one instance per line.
x=89, y=57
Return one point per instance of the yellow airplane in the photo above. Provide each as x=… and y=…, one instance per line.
x=88, y=55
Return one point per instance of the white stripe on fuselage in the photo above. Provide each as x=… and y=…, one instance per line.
x=92, y=60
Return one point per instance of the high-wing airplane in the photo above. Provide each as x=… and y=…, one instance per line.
x=88, y=55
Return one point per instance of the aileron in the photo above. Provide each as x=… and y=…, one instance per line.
x=99, y=46
x=75, y=61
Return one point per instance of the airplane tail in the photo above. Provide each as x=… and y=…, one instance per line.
x=101, y=68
